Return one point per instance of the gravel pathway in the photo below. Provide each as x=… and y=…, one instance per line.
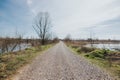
x=59, y=63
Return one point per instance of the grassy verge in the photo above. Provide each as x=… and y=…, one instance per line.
x=97, y=57
x=11, y=62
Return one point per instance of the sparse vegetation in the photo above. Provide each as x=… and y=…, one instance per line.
x=85, y=49
x=106, y=59
x=11, y=62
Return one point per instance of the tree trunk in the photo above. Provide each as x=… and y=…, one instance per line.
x=43, y=41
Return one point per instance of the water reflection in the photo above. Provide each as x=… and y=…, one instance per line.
x=18, y=47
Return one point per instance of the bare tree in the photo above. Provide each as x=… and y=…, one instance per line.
x=19, y=39
x=42, y=26
x=91, y=39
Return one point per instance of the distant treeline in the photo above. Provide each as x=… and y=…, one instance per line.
x=95, y=41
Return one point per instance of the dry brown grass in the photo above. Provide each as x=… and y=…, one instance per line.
x=11, y=62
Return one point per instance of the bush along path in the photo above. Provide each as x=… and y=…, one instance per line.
x=59, y=63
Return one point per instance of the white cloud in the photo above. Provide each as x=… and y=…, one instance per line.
x=71, y=16
x=90, y=12
x=29, y=2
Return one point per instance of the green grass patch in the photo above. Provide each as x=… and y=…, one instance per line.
x=102, y=54
x=11, y=62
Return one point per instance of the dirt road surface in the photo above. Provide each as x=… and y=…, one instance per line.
x=59, y=63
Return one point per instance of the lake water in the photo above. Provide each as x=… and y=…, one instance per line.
x=106, y=46
x=23, y=46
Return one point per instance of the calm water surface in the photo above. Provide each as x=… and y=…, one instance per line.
x=106, y=46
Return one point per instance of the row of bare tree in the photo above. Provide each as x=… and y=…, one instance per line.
x=9, y=44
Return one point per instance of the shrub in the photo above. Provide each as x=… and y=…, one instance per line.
x=78, y=50
x=86, y=49
x=6, y=58
x=2, y=67
x=86, y=55
x=2, y=75
x=74, y=46
x=98, y=54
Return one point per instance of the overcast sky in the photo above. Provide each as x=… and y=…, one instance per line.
x=79, y=18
